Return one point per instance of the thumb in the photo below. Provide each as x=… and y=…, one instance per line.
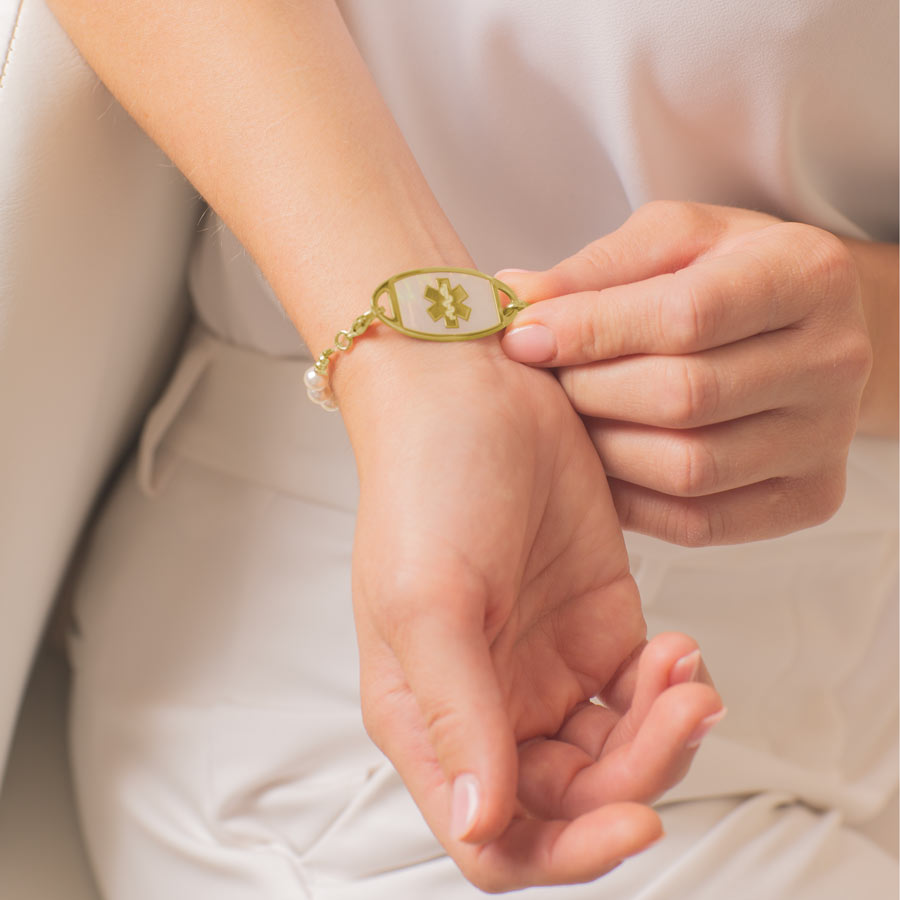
x=608, y=299
x=657, y=238
x=448, y=668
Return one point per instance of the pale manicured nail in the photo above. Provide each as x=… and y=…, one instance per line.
x=686, y=668
x=466, y=798
x=704, y=728
x=530, y=344
x=503, y=272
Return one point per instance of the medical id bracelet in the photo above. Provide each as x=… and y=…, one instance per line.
x=440, y=304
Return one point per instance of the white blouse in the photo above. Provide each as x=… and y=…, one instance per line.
x=540, y=125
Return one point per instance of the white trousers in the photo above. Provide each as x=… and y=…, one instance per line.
x=217, y=741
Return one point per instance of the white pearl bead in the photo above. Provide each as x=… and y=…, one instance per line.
x=329, y=404
x=318, y=395
x=313, y=380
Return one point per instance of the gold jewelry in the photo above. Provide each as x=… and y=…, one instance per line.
x=439, y=304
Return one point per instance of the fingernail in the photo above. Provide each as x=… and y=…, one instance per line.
x=685, y=669
x=704, y=728
x=530, y=344
x=503, y=272
x=464, y=812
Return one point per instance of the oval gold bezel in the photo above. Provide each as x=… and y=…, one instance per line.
x=392, y=318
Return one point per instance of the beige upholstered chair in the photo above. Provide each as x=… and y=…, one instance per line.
x=95, y=226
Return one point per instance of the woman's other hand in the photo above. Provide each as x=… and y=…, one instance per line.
x=719, y=357
x=493, y=600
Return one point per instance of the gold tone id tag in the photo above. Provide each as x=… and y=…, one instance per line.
x=442, y=304
x=430, y=304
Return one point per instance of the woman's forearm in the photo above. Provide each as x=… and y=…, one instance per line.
x=269, y=110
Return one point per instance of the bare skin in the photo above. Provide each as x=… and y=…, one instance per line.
x=723, y=360
x=505, y=556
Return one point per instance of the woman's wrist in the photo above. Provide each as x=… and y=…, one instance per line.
x=384, y=369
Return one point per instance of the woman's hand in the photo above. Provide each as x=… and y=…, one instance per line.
x=492, y=600
x=718, y=357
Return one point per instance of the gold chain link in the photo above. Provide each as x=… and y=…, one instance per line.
x=343, y=340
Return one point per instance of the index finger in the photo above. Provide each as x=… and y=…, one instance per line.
x=560, y=851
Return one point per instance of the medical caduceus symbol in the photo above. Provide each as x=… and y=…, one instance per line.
x=447, y=303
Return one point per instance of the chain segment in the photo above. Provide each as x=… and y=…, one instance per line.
x=343, y=340
x=316, y=378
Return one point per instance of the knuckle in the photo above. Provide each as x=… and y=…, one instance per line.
x=691, y=395
x=595, y=256
x=835, y=262
x=828, y=262
x=694, y=525
x=588, y=338
x=686, y=319
x=695, y=470
x=444, y=724
x=844, y=358
x=856, y=357
x=827, y=496
x=592, y=262
x=697, y=528
x=808, y=501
